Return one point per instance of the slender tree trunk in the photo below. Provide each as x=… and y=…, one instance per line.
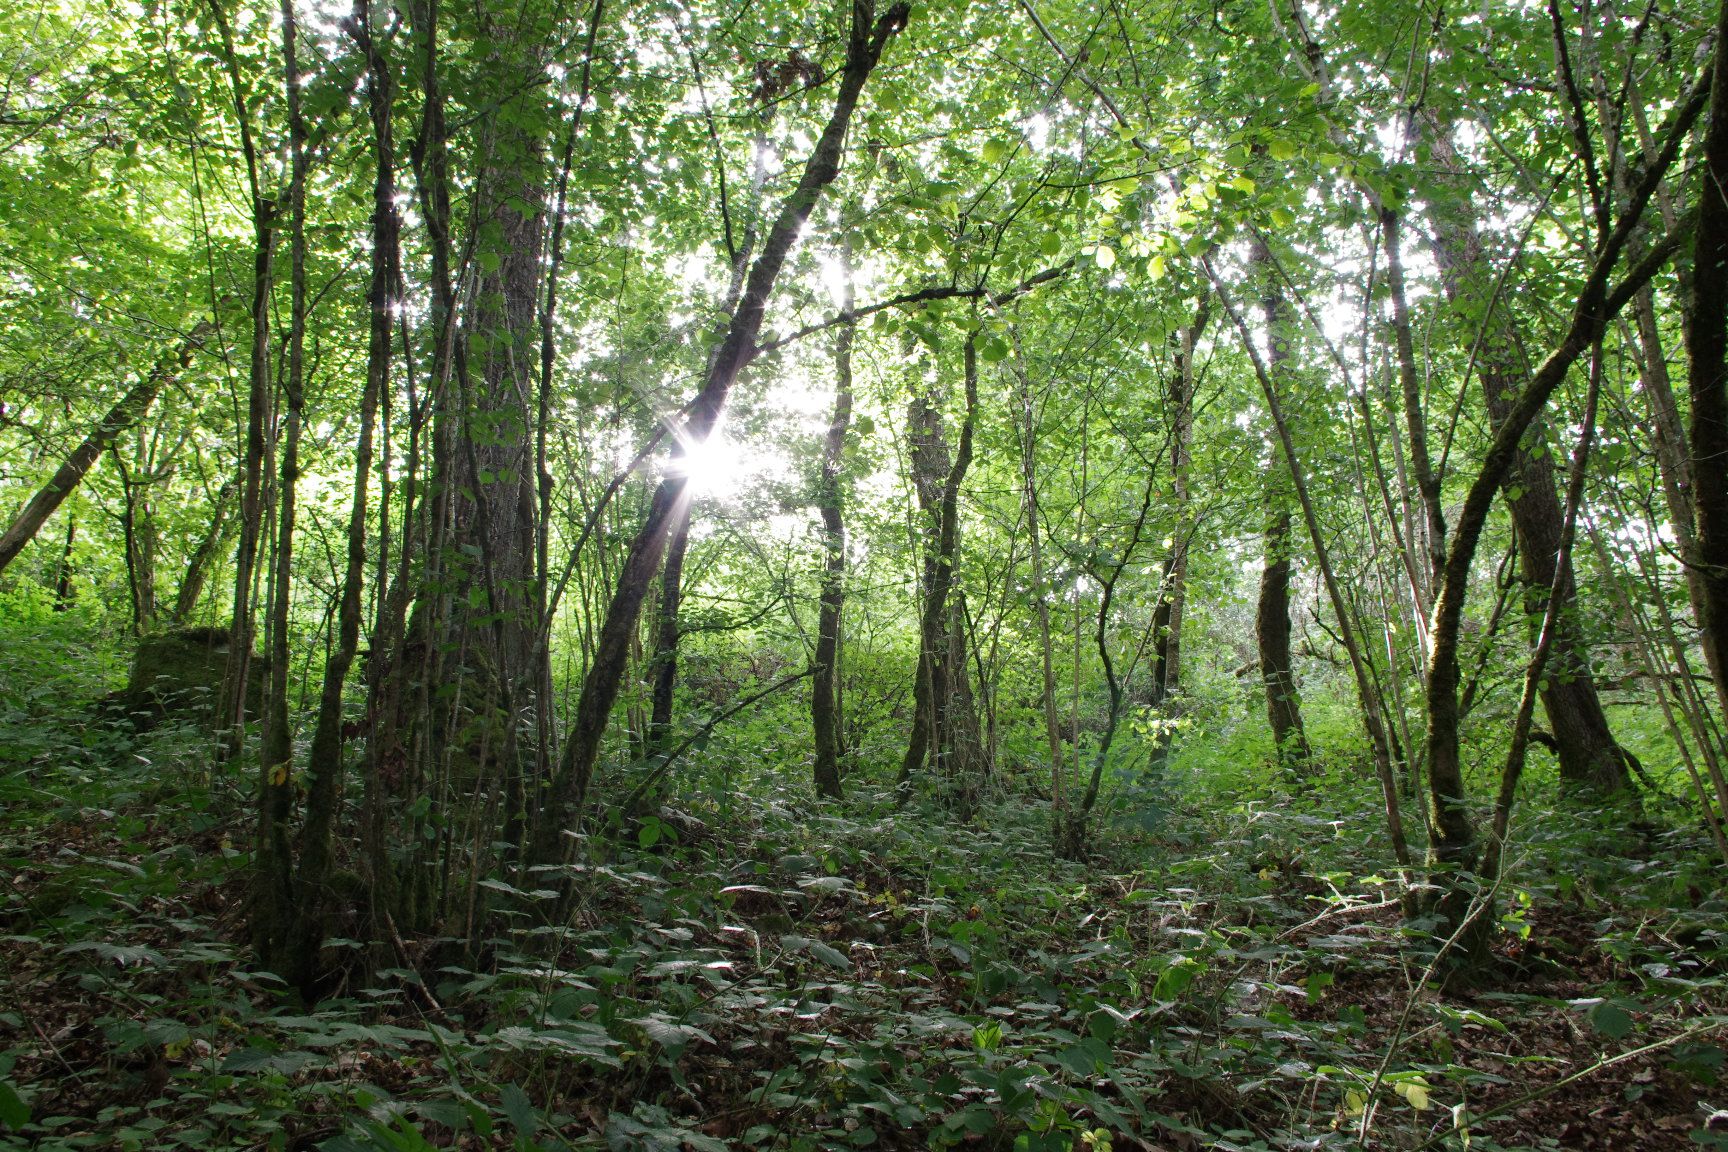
x=830, y=504
x=123, y=415
x=1433, y=533
x=1367, y=698
x=667, y=634
x=198, y=565
x=1039, y=588
x=1074, y=827
x=545, y=737
x=231, y=706
x=569, y=786
x=1519, y=744
x=1167, y=669
x=1272, y=610
x=63, y=588
x=274, y=911
x=138, y=542
x=325, y=759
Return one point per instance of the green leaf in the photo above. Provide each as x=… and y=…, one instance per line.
x=1104, y=256
x=14, y=1112
x=1050, y=244
x=995, y=151
x=1611, y=1020
x=520, y=1110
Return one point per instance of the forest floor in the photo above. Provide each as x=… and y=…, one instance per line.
x=766, y=973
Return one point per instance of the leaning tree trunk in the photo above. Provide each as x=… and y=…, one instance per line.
x=1452, y=831
x=198, y=564
x=568, y=788
x=126, y=412
x=1367, y=696
x=1586, y=747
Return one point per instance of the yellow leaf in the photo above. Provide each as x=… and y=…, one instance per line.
x=1414, y=1091
x=279, y=775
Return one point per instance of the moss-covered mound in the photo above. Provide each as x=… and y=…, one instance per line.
x=179, y=673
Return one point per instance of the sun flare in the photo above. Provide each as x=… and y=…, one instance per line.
x=715, y=466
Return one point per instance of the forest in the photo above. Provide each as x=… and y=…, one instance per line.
x=811, y=575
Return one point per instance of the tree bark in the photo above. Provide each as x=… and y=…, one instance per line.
x=273, y=911
x=830, y=504
x=231, y=707
x=939, y=483
x=324, y=765
x=1452, y=833
x=1272, y=608
x=1707, y=380
x=1586, y=747
x=198, y=565
x=1272, y=638
x=124, y=414
x=667, y=634
x=1167, y=668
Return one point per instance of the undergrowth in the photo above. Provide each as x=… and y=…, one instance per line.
x=1231, y=970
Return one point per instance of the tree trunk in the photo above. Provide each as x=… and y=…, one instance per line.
x=569, y=785
x=63, y=587
x=1452, y=833
x=1039, y=588
x=1366, y=696
x=1272, y=637
x=939, y=484
x=1272, y=610
x=667, y=634
x=324, y=765
x=273, y=911
x=1167, y=668
x=1587, y=750
x=930, y=464
x=231, y=707
x=198, y=565
x=138, y=538
x=123, y=415
x=1707, y=380
x=830, y=504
